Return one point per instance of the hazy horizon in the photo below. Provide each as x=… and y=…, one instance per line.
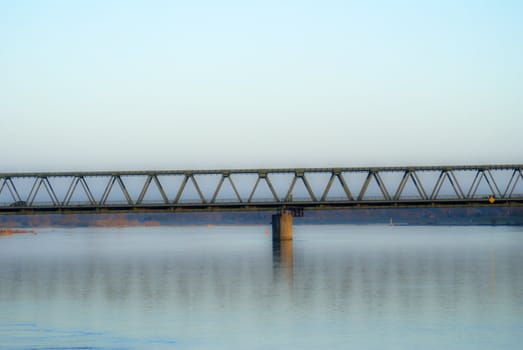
x=132, y=85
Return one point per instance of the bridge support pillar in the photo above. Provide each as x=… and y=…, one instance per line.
x=282, y=226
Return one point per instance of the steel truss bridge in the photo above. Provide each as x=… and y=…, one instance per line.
x=261, y=189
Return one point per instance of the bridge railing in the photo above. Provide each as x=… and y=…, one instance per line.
x=251, y=187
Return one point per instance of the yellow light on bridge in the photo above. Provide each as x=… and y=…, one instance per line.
x=491, y=199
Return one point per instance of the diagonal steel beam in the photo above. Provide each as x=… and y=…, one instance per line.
x=365, y=185
x=438, y=184
x=70, y=190
x=182, y=187
x=308, y=187
x=87, y=190
x=3, y=185
x=269, y=183
x=475, y=184
x=328, y=187
x=160, y=189
x=254, y=189
x=506, y=193
x=455, y=184
x=108, y=189
x=235, y=189
x=288, y=196
x=412, y=176
x=124, y=190
x=517, y=175
x=193, y=180
x=418, y=184
x=6, y=185
x=39, y=182
x=447, y=174
x=152, y=178
x=494, y=186
x=345, y=187
x=401, y=185
x=12, y=189
x=50, y=191
x=381, y=185
x=34, y=190
x=218, y=188
x=145, y=187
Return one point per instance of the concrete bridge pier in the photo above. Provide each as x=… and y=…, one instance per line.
x=282, y=226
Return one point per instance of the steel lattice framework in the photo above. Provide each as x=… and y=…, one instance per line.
x=259, y=189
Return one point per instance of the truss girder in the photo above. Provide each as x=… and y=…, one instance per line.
x=484, y=182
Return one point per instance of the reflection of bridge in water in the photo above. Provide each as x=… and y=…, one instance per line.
x=376, y=275
x=282, y=190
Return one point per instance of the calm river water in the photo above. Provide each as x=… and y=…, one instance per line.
x=359, y=287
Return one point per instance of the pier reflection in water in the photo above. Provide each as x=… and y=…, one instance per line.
x=283, y=260
x=231, y=287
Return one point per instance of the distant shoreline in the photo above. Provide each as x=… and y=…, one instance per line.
x=456, y=216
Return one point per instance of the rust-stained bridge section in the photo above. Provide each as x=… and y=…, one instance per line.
x=261, y=189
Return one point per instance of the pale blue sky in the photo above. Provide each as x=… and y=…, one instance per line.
x=205, y=84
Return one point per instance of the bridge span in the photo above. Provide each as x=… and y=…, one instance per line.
x=286, y=191
x=261, y=189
